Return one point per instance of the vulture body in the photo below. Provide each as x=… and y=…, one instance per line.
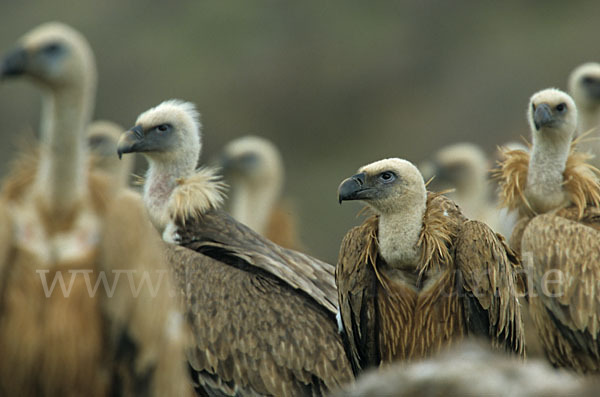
x=557, y=194
x=69, y=324
x=253, y=168
x=263, y=317
x=103, y=136
x=470, y=369
x=418, y=275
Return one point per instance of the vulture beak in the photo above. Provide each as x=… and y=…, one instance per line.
x=130, y=141
x=14, y=63
x=354, y=188
x=542, y=116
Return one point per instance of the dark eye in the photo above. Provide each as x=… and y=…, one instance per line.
x=561, y=107
x=52, y=49
x=387, y=176
x=588, y=80
x=164, y=127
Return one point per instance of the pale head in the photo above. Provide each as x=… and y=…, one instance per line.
x=252, y=159
x=584, y=85
x=53, y=55
x=456, y=166
x=552, y=116
x=388, y=186
x=166, y=134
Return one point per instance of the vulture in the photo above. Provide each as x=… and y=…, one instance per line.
x=557, y=194
x=470, y=369
x=464, y=167
x=85, y=306
x=262, y=316
x=103, y=136
x=418, y=275
x=253, y=168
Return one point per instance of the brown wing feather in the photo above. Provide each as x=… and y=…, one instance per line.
x=357, y=293
x=217, y=234
x=255, y=334
x=489, y=272
x=563, y=260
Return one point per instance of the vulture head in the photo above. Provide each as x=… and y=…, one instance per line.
x=252, y=160
x=166, y=134
x=388, y=186
x=552, y=116
x=53, y=55
x=103, y=136
x=584, y=85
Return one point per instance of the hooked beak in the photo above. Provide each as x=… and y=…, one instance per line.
x=353, y=188
x=542, y=116
x=129, y=141
x=13, y=63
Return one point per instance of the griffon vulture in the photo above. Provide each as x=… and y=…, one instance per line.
x=557, y=194
x=103, y=136
x=418, y=275
x=464, y=167
x=253, y=168
x=263, y=317
x=584, y=87
x=75, y=315
x=470, y=369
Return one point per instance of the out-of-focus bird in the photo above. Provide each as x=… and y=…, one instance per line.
x=263, y=317
x=464, y=167
x=103, y=136
x=75, y=315
x=584, y=87
x=254, y=170
x=557, y=193
x=470, y=369
x=418, y=275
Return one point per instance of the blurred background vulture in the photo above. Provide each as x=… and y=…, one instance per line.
x=103, y=136
x=72, y=249
x=263, y=317
x=418, y=275
x=254, y=171
x=557, y=194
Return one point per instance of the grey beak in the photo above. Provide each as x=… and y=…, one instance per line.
x=130, y=140
x=14, y=63
x=542, y=116
x=351, y=188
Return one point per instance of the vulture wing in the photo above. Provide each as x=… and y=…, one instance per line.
x=253, y=334
x=563, y=259
x=488, y=269
x=219, y=236
x=357, y=293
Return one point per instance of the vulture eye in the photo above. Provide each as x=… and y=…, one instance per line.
x=387, y=176
x=588, y=80
x=561, y=107
x=52, y=49
x=164, y=127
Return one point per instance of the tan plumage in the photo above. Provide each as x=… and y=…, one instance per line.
x=418, y=275
x=470, y=369
x=103, y=136
x=558, y=238
x=253, y=168
x=262, y=315
x=83, y=337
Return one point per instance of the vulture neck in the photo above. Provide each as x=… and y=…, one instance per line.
x=544, y=189
x=62, y=174
x=472, y=196
x=399, y=234
x=161, y=179
x=252, y=204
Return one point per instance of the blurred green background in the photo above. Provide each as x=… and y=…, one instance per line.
x=335, y=84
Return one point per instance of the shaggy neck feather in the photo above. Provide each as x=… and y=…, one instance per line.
x=252, y=205
x=544, y=189
x=399, y=234
x=61, y=179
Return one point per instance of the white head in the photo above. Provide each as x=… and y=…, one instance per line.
x=389, y=186
x=552, y=116
x=584, y=85
x=54, y=55
x=168, y=134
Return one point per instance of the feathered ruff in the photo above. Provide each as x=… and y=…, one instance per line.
x=196, y=194
x=580, y=180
